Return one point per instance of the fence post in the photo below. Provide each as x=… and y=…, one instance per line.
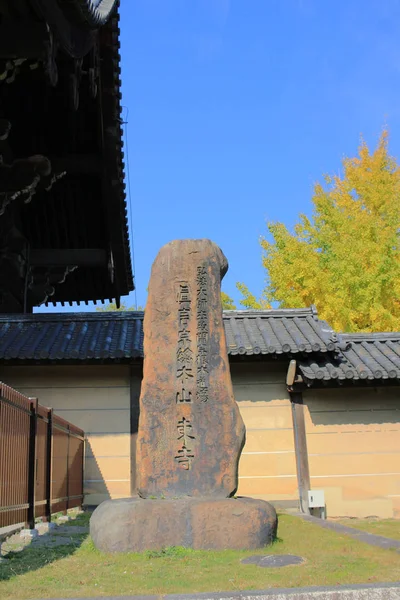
x=69, y=437
x=32, y=463
x=82, y=470
x=49, y=461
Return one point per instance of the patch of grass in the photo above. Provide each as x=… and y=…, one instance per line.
x=81, y=520
x=330, y=559
x=176, y=551
x=387, y=527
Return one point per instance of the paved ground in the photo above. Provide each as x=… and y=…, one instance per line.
x=363, y=536
x=390, y=591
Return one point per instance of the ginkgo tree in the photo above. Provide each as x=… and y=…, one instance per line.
x=345, y=259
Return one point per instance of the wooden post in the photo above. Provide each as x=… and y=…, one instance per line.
x=82, y=471
x=300, y=445
x=65, y=512
x=32, y=463
x=49, y=456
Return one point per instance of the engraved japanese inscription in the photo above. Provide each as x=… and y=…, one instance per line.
x=184, y=352
x=202, y=335
x=185, y=454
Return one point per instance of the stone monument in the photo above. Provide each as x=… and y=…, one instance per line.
x=191, y=433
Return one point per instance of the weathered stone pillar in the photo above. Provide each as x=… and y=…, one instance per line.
x=191, y=433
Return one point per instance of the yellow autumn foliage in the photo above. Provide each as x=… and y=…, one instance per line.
x=346, y=258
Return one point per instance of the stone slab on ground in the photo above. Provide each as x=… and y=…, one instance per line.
x=378, y=591
x=273, y=560
x=6, y=532
x=29, y=534
x=135, y=524
x=363, y=536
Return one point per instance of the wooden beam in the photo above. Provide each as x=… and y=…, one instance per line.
x=80, y=257
x=300, y=446
x=291, y=374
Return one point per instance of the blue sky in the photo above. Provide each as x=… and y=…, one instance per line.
x=236, y=108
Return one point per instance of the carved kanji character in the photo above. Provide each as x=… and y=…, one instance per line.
x=202, y=326
x=184, y=292
x=184, y=396
x=185, y=356
x=185, y=429
x=184, y=458
x=202, y=337
x=184, y=372
x=202, y=394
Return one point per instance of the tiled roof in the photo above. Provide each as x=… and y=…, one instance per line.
x=277, y=332
x=372, y=356
x=71, y=336
x=112, y=335
x=321, y=354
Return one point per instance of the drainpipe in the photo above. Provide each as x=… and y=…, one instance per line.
x=300, y=437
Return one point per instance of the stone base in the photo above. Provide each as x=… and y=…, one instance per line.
x=135, y=524
x=29, y=533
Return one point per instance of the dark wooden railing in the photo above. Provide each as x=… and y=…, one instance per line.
x=41, y=461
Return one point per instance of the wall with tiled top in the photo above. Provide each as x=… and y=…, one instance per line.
x=353, y=435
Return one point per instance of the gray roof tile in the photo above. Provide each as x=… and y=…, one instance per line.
x=118, y=335
x=373, y=356
x=322, y=354
x=287, y=331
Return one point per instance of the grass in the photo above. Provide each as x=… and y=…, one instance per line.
x=387, y=527
x=71, y=571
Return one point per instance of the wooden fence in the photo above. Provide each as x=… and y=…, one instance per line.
x=41, y=461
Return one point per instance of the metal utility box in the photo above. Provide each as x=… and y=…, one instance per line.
x=316, y=498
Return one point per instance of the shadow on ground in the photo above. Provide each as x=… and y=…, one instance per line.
x=19, y=556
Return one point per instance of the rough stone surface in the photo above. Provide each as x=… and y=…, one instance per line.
x=273, y=560
x=191, y=433
x=135, y=524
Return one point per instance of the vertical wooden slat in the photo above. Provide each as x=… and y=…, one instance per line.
x=32, y=463
x=49, y=454
x=67, y=470
x=300, y=445
x=40, y=455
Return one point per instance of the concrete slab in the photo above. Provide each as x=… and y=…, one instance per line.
x=6, y=532
x=273, y=560
x=379, y=591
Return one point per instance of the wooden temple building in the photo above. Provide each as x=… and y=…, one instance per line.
x=63, y=216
